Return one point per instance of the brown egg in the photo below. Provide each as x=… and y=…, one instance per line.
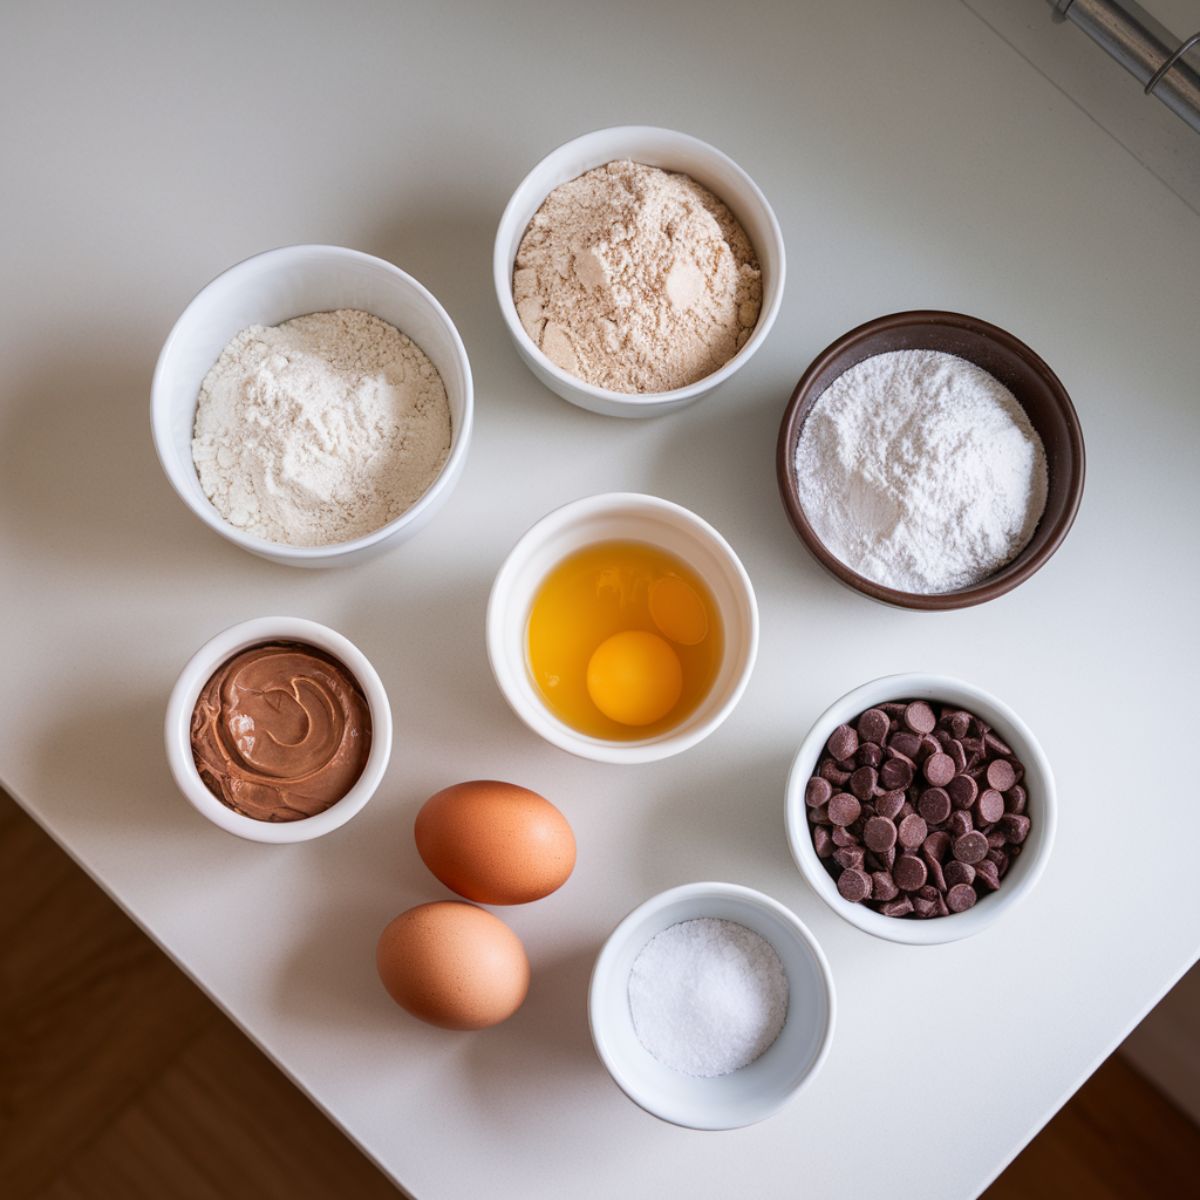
x=495, y=843
x=453, y=965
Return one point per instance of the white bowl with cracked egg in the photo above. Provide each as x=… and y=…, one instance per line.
x=671, y=151
x=274, y=287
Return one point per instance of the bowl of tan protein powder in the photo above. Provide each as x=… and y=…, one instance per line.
x=313, y=405
x=637, y=269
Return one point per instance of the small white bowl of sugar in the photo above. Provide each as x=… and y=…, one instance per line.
x=711, y=1005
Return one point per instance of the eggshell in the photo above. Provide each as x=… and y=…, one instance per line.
x=453, y=965
x=494, y=842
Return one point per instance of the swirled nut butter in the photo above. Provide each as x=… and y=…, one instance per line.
x=281, y=731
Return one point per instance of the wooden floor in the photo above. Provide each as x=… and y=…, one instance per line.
x=119, y=1080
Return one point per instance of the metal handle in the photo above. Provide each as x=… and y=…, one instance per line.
x=1144, y=47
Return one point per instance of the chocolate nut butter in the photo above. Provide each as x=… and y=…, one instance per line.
x=281, y=731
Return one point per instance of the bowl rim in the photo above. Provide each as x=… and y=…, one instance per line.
x=603, y=967
x=537, y=717
x=460, y=433
x=502, y=268
x=197, y=671
x=944, y=929
x=996, y=585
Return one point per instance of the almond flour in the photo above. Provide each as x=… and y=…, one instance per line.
x=636, y=279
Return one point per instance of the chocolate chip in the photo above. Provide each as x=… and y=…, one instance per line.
x=938, y=769
x=843, y=742
x=957, y=753
x=844, y=836
x=862, y=783
x=918, y=716
x=1015, y=799
x=960, y=897
x=822, y=842
x=912, y=831
x=963, y=790
x=929, y=745
x=830, y=771
x=817, y=791
x=987, y=874
x=934, y=805
x=1015, y=827
x=844, y=808
x=995, y=745
x=928, y=892
x=889, y=804
x=819, y=815
x=971, y=847
x=879, y=833
x=854, y=885
x=869, y=755
x=937, y=844
x=873, y=725
x=897, y=908
x=923, y=907
x=1000, y=774
x=959, y=724
x=958, y=872
x=989, y=807
x=935, y=870
x=897, y=772
x=995, y=839
x=883, y=886
x=905, y=743
x=909, y=873
x=887, y=858
x=849, y=856
x=960, y=822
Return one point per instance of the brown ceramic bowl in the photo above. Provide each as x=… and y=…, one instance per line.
x=1022, y=371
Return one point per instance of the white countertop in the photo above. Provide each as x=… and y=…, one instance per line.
x=914, y=160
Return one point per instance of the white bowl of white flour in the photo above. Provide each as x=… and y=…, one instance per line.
x=313, y=404
x=637, y=269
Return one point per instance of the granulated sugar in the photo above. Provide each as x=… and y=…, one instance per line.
x=921, y=471
x=321, y=429
x=636, y=279
x=707, y=996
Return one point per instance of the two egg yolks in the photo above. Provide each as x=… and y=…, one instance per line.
x=623, y=640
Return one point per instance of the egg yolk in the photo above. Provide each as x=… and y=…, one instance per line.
x=678, y=611
x=634, y=677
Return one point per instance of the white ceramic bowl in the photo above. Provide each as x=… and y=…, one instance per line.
x=277, y=286
x=622, y=516
x=655, y=148
x=741, y=1097
x=1039, y=782
x=198, y=672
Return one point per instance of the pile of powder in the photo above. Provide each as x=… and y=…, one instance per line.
x=321, y=429
x=707, y=997
x=921, y=471
x=636, y=279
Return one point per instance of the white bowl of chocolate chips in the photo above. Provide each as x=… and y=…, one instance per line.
x=920, y=808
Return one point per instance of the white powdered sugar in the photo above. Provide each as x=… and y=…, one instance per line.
x=921, y=471
x=321, y=429
x=707, y=997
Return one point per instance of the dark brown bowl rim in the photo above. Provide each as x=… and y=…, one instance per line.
x=1010, y=576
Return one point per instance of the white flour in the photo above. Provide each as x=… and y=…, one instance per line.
x=636, y=279
x=321, y=429
x=921, y=471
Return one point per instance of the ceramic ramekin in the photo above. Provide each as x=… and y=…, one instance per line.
x=200, y=669
x=276, y=286
x=672, y=152
x=757, y=1090
x=624, y=516
x=1024, y=872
